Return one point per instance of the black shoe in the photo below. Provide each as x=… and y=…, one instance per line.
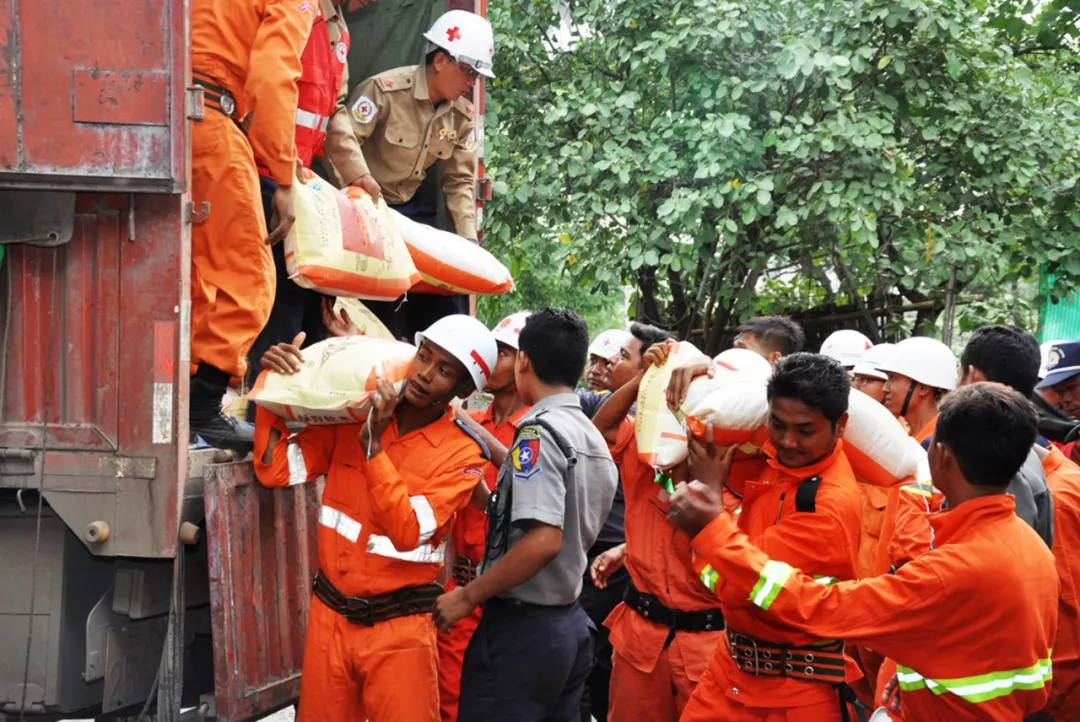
x=206, y=421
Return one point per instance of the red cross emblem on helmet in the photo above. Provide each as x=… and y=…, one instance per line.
x=453, y=33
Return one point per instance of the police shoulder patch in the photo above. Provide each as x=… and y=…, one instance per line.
x=525, y=456
x=364, y=110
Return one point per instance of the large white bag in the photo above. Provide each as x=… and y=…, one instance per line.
x=342, y=244
x=450, y=264
x=661, y=438
x=337, y=380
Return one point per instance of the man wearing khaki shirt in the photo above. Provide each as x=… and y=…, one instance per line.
x=408, y=120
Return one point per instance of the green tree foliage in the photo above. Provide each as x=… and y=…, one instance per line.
x=726, y=158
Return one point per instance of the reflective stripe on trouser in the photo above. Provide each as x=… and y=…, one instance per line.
x=232, y=271
x=981, y=687
x=383, y=673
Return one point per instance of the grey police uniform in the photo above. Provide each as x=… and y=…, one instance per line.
x=558, y=472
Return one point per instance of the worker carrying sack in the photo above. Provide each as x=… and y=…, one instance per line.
x=661, y=438
x=343, y=244
x=731, y=409
x=337, y=381
x=449, y=264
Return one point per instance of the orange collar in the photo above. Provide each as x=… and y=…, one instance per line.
x=927, y=431
x=487, y=418
x=954, y=523
x=803, y=472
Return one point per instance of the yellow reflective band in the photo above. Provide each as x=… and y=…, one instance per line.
x=981, y=687
x=771, y=580
x=709, y=577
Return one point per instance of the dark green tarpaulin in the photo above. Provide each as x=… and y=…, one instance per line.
x=388, y=34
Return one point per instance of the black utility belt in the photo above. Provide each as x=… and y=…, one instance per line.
x=648, y=606
x=216, y=97
x=465, y=570
x=815, y=663
x=368, y=611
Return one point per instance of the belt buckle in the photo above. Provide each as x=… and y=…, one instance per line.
x=358, y=611
x=228, y=103
x=749, y=644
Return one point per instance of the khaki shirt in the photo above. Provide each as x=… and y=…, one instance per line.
x=340, y=140
x=403, y=135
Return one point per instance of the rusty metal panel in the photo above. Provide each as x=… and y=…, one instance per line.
x=93, y=389
x=262, y=556
x=93, y=94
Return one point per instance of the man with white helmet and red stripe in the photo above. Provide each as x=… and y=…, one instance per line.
x=866, y=374
x=393, y=484
x=920, y=370
x=602, y=350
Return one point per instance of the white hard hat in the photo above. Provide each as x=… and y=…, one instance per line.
x=607, y=344
x=509, y=329
x=1044, y=352
x=467, y=37
x=467, y=340
x=923, y=359
x=871, y=361
x=846, y=346
x=744, y=360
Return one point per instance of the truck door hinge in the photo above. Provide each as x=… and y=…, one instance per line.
x=195, y=217
x=194, y=103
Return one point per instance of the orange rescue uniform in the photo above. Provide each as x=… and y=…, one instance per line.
x=468, y=540
x=1063, y=477
x=382, y=523
x=971, y=623
x=817, y=532
x=654, y=670
x=251, y=49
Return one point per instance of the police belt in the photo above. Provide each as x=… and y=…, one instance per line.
x=215, y=96
x=465, y=570
x=815, y=663
x=648, y=606
x=370, y=610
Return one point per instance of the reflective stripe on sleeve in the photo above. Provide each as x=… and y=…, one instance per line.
x=425, y=516
x=297, y=466
x=770, y=582
x=313, y=121
x=709, y=577
x=982, y=687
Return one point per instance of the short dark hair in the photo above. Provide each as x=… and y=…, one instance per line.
x=990, y=430
x=430, y=57
x=818, y=381
x=556, y=341
x=1005, y=354
x=779, y=333
x=648, y=335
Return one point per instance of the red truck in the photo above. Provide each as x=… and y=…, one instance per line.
x=135, y=573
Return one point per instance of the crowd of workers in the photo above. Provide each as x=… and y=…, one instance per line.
x=522, y=562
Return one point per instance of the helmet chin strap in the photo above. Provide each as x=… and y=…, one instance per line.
x=907, y=399
x=444, y=400
x=504, y=387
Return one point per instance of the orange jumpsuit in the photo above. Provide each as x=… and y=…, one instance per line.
x=469, y=536
x=382, y=523
x=652, y=677
x=252, y=49
x=1063, y=477
x=970, y=623
x=824, y=542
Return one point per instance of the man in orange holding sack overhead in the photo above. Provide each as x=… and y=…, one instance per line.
x=970, y=623
x=245, y=54
x=392, y=486
x=501, y=420
x=803, y=510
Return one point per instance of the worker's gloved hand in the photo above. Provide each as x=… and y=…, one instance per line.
x=369, y=185
x=285, y=358
x=284, y=212
x=606, y=564
x=693, y=506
